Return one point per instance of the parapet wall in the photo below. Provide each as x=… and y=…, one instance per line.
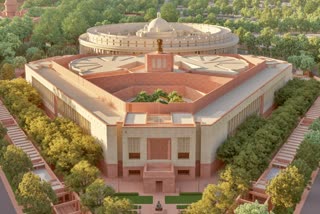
x=103, y=95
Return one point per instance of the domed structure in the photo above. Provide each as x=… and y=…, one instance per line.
x=159, y=25
x=141, y=38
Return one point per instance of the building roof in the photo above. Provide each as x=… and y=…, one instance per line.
x=159, y=25
x=212, y=64
x=214, y=85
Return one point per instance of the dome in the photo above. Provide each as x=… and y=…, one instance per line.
x=159, y=25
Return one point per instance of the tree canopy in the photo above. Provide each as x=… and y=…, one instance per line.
x=35, y=195
x=252, y=208
x=81, y=176
x=286, y=188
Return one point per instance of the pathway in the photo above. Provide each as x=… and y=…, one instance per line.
x=69, y=202
x=312, y=205
x=125, y=185
x=5, y=202
x=283, y=158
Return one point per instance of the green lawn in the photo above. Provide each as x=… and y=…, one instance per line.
x=183, y=198
x=135, y=198
x=182, y=206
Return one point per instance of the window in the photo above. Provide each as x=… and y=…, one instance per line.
x=183, y=155
x=134, y=155
x=134, y=147
x=183, y=148
x=134, y=172
x=183, y=172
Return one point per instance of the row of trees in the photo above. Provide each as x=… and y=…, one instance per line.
x=287, y=187
x=34, y=195
x=62, y=142
x=94, y=193
x=259, y=146
x=64, y=145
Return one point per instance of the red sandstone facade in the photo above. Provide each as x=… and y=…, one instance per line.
x=153, y=142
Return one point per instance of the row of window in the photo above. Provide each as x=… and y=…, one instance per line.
x=183, y=150
x=252, y=108
x=63, y=108
x=46, y=95
x=136, y=172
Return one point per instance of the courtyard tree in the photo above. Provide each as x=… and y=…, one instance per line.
x=35, y=195
x=252, y=208
x=95, y=194
x=15, y=163
x=286, y=188
x=81, y=176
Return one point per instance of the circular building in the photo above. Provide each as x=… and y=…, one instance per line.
x=141, y=38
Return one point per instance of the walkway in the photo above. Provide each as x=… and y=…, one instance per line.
x=68, y=201
x=284, y=156
x=312, y=204
x=125, y=185
x=287, y=152
x=5, y=202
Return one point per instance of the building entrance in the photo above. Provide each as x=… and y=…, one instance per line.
x=159, y=185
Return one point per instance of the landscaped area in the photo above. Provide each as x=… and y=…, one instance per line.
x=184, y=198
x=135, y=198
x=159, y=96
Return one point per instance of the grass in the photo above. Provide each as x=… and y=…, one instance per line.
x=182, y=206
x=126, y=194
x=135, y=198
x=183, y=198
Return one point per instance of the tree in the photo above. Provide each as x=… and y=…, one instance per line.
x=7, y=72
x=14, y=156
x=3, y=131
x=309, y=152
x=34, y=53
x=35, y=195
x=95, y=194
x=169, y=12
x=151, y=13
x=48, y=30
x=286, y=188
x=303, y=169
x=9, y=42
x=3, y=148
x=252, y=208
x=81, y=176
x=303, y=62
x=74, y=25
x=113, y=205
x=19, y=61
x=315, y=126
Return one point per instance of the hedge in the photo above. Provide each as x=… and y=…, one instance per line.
x=252, y=156
x=62, y=142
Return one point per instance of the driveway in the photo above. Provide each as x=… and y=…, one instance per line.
x=6, y=206
x=312, y=204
